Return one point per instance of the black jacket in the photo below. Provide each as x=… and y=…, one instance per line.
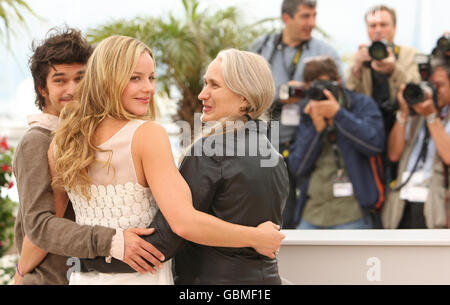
x=233, y=183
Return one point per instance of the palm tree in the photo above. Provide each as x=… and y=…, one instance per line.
x=184, y=47
x=10, y=10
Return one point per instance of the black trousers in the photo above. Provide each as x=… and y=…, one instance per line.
x=413, y=217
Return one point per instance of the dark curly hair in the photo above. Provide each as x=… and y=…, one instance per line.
x=61, y=46
x=318, y=66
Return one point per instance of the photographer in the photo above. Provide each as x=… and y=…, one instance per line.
x=332, y=157
x=379, y=71
x=286, y=52
x=421, y=144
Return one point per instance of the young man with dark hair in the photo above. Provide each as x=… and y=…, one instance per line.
x=286, y=52
x=57, y=66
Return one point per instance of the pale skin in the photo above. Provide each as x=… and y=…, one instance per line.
x=155, y=166
x=397, y=141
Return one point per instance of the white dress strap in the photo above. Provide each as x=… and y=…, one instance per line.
x=115, y=165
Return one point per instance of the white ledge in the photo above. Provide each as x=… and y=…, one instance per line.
x=367, y=237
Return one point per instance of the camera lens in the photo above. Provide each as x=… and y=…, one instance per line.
x=378, y=50
x=413, y=94
x=287, y=92
x=297, y=92
x=316, y=93
x=444, y=43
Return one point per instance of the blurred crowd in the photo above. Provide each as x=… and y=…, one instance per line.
x=367, y=148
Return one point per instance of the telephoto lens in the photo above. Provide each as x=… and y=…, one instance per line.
x=443, y=43
x=378, y=50
x=416, y=93
x=287, y=92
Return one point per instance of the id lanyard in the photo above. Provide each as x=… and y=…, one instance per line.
x=291, y=70
x=278, y=45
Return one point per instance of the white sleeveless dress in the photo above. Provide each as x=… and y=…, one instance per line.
x=117, y=201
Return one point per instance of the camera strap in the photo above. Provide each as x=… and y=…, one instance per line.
x=422, y=157
x=279, y=45
x=344, y=100
x=293, y=67
x=396, y=50
x=331, y=135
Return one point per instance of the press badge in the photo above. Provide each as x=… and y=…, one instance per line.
x=342, y=186
x=416, y=190
x=290, y=115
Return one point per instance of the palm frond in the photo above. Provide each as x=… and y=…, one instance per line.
x=184, y=46
x=12, y=11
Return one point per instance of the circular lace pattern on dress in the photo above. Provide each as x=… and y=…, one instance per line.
x=115, y=206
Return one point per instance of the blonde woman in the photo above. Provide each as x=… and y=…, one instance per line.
x=234, y=173
x=117, y=168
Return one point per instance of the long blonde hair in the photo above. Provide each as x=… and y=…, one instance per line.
x=98, y=96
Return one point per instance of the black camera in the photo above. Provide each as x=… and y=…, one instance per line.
x=417, y=93
x=287, y=92
x=378, y=50
x=315, y=91
x=443, y=44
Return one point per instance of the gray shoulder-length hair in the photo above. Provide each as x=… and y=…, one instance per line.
x=248, y=74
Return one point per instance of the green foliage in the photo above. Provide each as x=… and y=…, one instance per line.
x=185, y=46
x=7, y=206
x=8, y=269
x=11, y=10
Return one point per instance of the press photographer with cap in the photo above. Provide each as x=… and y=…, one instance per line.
x=420, y=141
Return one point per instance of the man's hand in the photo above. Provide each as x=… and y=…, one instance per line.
x=137, y=249
x=293, y=100
x=403, y=105
x=361, y=57
x=318, y=120
x=323, y=112
x=427, y=107
x=271, y=239
x=387, y=65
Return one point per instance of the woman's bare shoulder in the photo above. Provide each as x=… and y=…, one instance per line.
x=151, y=135
x=151, y=129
